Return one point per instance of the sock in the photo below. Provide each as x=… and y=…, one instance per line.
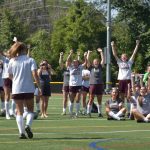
x=119, y=114
x=99, y=109
x=64, y=110
x=145, y=119
x=89, y=108
x=111, y=114
x=77, y=108
x=37, y=106
x=2, y=105
x=71, y=108
x=20, y=123
x=84, y=109
x=25, y=112
x=29, y=119
x=13, y=105
x=7, y=107
x=128, y=107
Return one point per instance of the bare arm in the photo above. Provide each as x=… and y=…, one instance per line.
x=114, y=50
x=68, y=62
x=78, y=55
x=132, y=84
x=102, y=56
x=85, y=60
x=61, y=61
x=88, y=58
x=135, y=50
x=36, y=78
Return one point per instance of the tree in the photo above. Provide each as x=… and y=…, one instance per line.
x=11, y=26
x=131, y=23
x=81, y=29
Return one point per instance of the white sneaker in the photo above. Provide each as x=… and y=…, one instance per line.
x=7, y=117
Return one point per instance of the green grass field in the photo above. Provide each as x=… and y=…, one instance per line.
x=63, y=133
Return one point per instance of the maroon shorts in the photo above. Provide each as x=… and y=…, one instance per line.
x=8, y=83
x=75, y=89
x=123, y=86
x=22, y=96
x=65, y=89
x=85, y=89
x=96, y=89
x=1, y=89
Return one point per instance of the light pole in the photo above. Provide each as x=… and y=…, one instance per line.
x=108, y=49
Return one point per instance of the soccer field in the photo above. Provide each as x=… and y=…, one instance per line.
x=64, y=133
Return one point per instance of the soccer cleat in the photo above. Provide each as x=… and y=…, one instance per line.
x=63, y=113
x=29, y=132
x=110, y=118
x=140, y=121
x=122, y=118
x=7, y=117
x=100, y=115
x=22, y=136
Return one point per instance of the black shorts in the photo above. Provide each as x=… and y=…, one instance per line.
x=65, y=89
x=23, y=96
x=75, y=89
x=85, y=89
x=96, y=89
x=8, y=83
x=1, y=89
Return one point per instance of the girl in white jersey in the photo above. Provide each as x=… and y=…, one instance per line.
x=21, y=68
x=75, y=82
x=124, y=75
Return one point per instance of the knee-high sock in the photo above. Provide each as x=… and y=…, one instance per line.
x=7, y=107
x=128, y=107
x=89, y=108
x=71, y=108
x=37, y=106
x=25, y=112
x=29, y=119
x=13, y=106
x=119, y=113
x=111, y=114
x=20, y=123
x=99, y=107
x=77, y=108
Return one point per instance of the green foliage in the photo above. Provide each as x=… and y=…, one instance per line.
x=40, y=45
x=81, y=29
x=131, y=23
x=11, y=26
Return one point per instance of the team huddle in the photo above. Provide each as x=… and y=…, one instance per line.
x=18, y=72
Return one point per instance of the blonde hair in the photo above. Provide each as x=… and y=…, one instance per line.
x=17, y=48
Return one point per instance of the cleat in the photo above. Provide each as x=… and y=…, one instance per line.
x=22, y=136
x=140, y=121
x=35, y=115
x=100, y=115
x=110, y=118
x=29, y=132
x=122, y=118
x=7, y=117
x=63, y=113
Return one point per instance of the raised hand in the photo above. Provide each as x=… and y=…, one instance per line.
x=112, y=43
x=61, y=53
x=99, y=50
x=137, y=42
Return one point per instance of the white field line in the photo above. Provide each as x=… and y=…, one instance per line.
x=78, y=133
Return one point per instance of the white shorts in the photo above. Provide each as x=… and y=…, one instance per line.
x=36, y=92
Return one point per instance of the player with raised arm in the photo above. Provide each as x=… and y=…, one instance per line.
x=124, y=75
x=96, y=82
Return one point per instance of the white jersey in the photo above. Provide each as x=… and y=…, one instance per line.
x=86, y=73
x=124, y=69
x=21, y=69
x=75, y=76
x=5, y=67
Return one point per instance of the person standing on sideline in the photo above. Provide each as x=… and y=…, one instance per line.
x=96, y=82
x=75, y=82
x=124, y=75
x=44, y=73
x=22, y=70
x=66, y=77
